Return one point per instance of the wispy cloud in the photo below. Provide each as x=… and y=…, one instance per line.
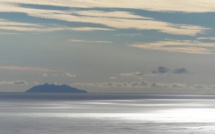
x=152, y=5
x=184, y=46
x=30, y=27
x=18, y=26
x=90, y=41
x=21, y=68
x=26, y=27
x=91, y=29
x=110, y=19
x=124, y=23
x=110, y=14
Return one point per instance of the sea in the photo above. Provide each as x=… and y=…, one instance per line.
x=27, y=113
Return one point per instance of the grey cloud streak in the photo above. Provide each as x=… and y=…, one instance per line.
x=180, y=71
x=163, y=70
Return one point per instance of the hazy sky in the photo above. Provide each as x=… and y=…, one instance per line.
x=126, y=46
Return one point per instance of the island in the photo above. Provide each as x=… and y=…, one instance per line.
x=52, y=88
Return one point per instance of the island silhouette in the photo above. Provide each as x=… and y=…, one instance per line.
x=52, y=88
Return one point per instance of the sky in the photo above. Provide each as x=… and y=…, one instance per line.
x=109, y=46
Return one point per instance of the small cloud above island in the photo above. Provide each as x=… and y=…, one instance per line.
x=163, y=70
x=180, y=71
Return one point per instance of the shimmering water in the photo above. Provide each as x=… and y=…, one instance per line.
x=23, y=115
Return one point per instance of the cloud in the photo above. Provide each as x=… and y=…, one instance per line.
x=18, y=26
x=148, y=85
x=30, y=27
x=110, y=84
x=132, y=74
x=90, y=29
x=152, y=5
x=90, y=41
x=110, y=14
x=69, y=75
x=18, y=82
x=183, y=46
x=137, y=84
x=21, y=68
x=110, y=19
x=180, y=71
x=25, y=27
x=124, y=23
x=161, y=69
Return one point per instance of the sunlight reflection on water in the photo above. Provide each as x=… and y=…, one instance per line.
x=171, y=115
x=150, y=116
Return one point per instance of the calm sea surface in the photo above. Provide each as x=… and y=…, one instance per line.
x=106, y=114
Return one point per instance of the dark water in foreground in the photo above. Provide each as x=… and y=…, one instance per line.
x=106, y=114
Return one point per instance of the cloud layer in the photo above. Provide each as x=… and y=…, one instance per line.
x=152, y=5
x=183, y=46
x=163, y=70
x=146, y=85
x=108, y=19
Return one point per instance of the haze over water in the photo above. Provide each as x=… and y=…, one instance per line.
x=91, y=114
x=115, y=47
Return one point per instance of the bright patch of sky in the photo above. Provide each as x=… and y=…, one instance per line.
x=108, y=46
